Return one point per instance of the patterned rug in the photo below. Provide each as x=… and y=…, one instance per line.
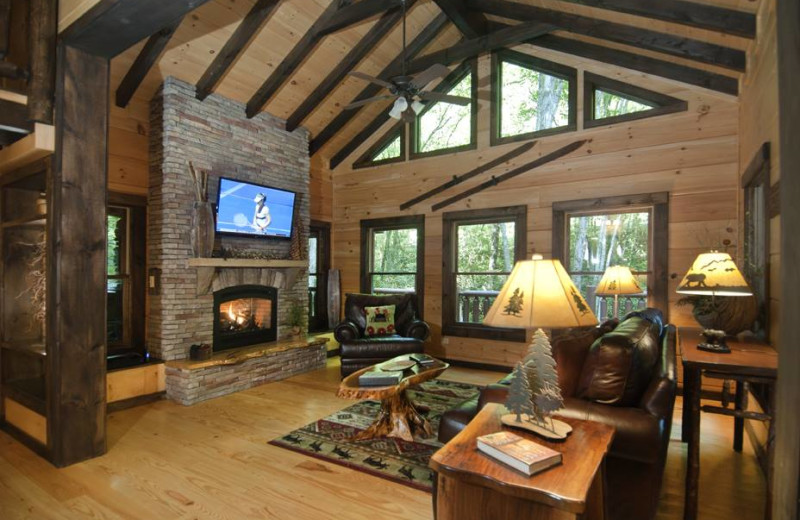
x=394, y=459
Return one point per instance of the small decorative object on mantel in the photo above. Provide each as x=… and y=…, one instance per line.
x=202, y=236
x=249, y=254
x=200, y=352
x=41, y=205
x=538, y=293
x=715, y=274
x=296, y=318
x=296, y=247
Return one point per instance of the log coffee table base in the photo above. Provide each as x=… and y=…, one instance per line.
x=397, y=418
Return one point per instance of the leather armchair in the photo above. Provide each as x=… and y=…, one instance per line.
x=636, y=459
x=358, y=351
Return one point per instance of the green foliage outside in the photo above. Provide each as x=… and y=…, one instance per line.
x=394, y=251
x=607, y=104
x=113, y=257
x=312, y=261
x=531, y=100
x=445, y=125
x=599, y=241
x=390, y=151
x=484, y=248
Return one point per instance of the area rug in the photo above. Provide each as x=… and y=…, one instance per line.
x=394, y=459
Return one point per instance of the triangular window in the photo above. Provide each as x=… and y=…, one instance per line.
x=609, y=101
x=390, y=149
x=608, y=104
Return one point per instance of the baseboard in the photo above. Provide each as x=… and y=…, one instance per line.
x=134, y=401
x=19, y=435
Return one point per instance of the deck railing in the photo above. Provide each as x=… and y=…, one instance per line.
x=473, y=305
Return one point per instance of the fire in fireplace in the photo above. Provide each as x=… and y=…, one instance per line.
x=245, y=315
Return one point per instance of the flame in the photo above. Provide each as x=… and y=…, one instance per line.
x=231, y=314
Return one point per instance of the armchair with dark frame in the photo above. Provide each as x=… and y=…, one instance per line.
x=357, y=350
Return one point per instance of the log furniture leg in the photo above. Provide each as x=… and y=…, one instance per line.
x=397, y=418
x=692, y=376
x=738, y=422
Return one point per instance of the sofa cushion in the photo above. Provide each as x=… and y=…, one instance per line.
x=381, y=347
x=620, y=363
x=380, y=320
x=405, y=309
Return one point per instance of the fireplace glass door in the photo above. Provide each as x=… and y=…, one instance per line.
x=244, y=315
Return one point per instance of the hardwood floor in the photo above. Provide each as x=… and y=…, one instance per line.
x=212, y=460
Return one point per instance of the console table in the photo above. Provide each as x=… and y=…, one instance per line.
x=474, y=486
x=748, y=362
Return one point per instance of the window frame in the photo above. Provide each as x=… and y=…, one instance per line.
x=592, y=82
x=656, y=203
x=135, y=279
x=543, y=66
x=452, y=79
x=366, y=160
x=757, y=177
x=450, y=222
x=369, y=227
x=322, y=231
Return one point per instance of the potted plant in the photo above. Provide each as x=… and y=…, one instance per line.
x=296, y=318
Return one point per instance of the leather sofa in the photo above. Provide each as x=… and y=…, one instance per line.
x=635, y=463
x=358, y=351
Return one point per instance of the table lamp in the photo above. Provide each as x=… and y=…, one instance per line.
x=538, y=293
x=714, y=274
x=617, y=280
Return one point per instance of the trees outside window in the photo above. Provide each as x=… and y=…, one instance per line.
x=391, y=148
x=530, y=97
x=445, y=127
x=608, y=104
x=590, y=236
x=479, y=248
x=318, y=265
x=607, y=101
x=392, y=255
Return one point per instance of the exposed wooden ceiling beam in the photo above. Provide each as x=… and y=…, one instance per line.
x=112, y=26
x=42, y=33
x=14, y=117
x=702, y=16
x=628, y=60
x=5, y=19
x=415, y=47
x=356, y=54
x=286, y=68
x=240, y=39
x=472, y=24
x=638, y=37
x=356, y=13
x=141, y=65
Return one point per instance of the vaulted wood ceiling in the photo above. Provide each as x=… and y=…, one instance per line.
x=705, y=45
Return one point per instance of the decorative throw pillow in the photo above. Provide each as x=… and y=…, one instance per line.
x=380, y=320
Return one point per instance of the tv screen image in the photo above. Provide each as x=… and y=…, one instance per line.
x=248, y=209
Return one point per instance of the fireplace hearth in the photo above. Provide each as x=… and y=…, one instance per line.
x=245, y=315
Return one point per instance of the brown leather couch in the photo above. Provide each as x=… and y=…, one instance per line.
x=642, y=417
x=358, y=351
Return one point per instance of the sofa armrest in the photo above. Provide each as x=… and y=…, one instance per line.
x=418, y=329
x=346, y=331
x=659, y=398
x=494, y=393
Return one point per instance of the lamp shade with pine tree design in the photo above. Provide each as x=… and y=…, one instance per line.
x=618, y=280
x=539, y=293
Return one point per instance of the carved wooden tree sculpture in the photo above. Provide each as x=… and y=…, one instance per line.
x=519, y=394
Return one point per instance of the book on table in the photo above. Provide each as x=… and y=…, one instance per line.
x=422, y=359
x=378, y=377
x=519, y=453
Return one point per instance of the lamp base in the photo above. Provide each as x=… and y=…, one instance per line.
x=716, y=348
x=559, y=430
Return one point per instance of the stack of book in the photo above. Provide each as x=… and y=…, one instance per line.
x=378, y=377
x=521, y=454
x=422, y=359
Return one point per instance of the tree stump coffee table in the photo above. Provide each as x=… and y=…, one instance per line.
x=398, y=416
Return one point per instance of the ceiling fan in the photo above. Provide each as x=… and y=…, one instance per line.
x=409, y=91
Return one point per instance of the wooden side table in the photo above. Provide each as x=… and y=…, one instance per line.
x=747, y=363
x=474, y=486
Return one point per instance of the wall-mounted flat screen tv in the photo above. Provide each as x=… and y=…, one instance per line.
x=252, y=210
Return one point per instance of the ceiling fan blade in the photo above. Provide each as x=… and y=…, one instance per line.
x=431, y=73
x=445, y=98
x=361, y=103
x=372, y=79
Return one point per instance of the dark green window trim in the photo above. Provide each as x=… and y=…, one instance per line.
x=367, y=161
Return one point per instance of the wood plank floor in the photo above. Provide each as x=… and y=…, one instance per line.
x=212, y=461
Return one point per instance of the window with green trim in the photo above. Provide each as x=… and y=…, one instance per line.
x=390, y=148
x=609, y=104
x=531, y=97
x=390, y=151
x=442, y=126
x=608, y=101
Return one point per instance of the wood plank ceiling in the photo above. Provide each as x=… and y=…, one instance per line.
x=294, y=66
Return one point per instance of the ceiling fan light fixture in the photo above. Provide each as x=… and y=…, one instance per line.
x=400, y=105
x=417, y=107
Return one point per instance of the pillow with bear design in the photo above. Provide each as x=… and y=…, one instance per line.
x=380, y=320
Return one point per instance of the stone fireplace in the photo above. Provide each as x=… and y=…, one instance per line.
x=195, y=300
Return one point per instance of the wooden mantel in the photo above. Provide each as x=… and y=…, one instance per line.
x=246, y=263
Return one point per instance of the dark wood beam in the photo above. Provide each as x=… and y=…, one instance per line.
x=356, y=13
x=113, y=26
x=42, y=32
x=365, y=133
x=710, y=53
x=472, y=24
x=335, y=77
x=415, y=47
x=11, y=71
x=144, y=61
x=629, y=60
x=76, y=260
x=238, y=41
x=702, y=16
x=5, y=25
x=290, y=63
x=14, y=117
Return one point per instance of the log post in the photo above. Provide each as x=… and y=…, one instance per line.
x=42, y=47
